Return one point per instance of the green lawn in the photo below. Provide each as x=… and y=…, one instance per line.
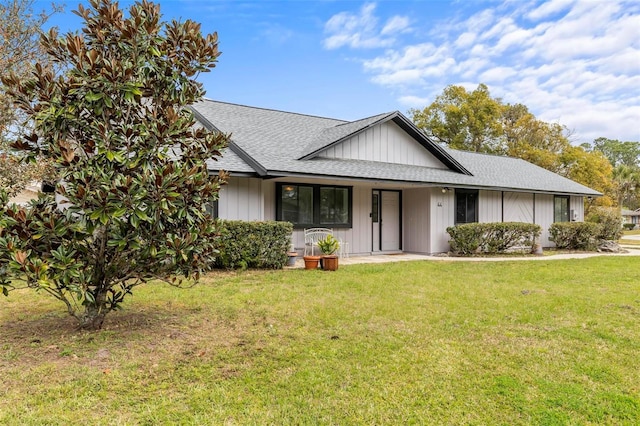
x=544, y=342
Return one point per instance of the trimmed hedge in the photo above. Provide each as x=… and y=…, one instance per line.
x=492, y=238
x=575, y=235
x=261, y=245
x=629, y=226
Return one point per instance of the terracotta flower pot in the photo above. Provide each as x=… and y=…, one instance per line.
x=311, y=262
x=330, y=262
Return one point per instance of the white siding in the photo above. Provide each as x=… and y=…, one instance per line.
x=416, y=208
x=442, y=216
x=387, y=143
x=489, y=206
x=241, y=199
x=576, y=204
x=518, y=207
x=359, y=237
x=269, y=197
x=544, y=217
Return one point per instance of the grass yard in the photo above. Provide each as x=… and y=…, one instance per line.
x=545, y=342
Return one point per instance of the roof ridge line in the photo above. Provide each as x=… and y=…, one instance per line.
x=362, y=119
x=277, y=110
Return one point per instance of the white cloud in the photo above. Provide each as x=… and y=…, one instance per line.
x=362, y=30
x=414, y=101
x=465, y=40
x=411, y=66
x=574, y=62
x=497, y=75
x=549, y=8
x=395, y=24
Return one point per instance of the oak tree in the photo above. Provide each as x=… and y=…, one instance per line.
x=470, y=121
x=130, y=162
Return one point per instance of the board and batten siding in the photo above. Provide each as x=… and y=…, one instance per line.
x=544, y=217
x=519, y=207
x=385, y=142
x=442, y=216
x=269, y=196
x=416, y=211
x=241, y=199
x=576, y=204
x=489, y=206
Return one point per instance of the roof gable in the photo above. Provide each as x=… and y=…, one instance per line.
x=341, y=133
x=384, y=142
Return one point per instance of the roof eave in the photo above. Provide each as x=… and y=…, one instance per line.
x=259, y=169
x=274, y=174
x=430, y=145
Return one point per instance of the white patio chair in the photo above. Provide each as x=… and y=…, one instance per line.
x=313, y=235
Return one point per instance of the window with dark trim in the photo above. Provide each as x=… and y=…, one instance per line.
x=466, y=206
x=212, y=209
x=314, y=205
x=561, y=208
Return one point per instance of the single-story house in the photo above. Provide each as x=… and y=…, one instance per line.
x=631, y=216
x=379, y=182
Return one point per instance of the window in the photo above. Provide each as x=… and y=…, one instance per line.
x=375, y=208
x=561, y=208
x=314, y=205
x=466, y=206
x=212, y=209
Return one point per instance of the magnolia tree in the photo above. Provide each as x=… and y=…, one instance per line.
x=130, y=162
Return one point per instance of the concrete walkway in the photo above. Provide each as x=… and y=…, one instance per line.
x=407, y=257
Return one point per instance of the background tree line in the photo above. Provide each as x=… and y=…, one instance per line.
x=476, y=121
x=20, y=48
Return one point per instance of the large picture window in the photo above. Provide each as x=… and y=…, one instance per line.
x=561, y=208
x=466, y=206
x=314, y=205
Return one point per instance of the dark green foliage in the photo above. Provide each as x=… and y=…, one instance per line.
x=492, y=238
x=261, y=245
x=575, y=235
x=128, y=159
x=610, y=221
x=629, y=226
x=466, y=239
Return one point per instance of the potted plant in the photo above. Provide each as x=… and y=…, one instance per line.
x=328, y=246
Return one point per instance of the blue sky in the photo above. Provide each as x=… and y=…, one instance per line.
x=573, y=62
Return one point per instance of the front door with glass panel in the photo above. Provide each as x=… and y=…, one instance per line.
x=385, y=217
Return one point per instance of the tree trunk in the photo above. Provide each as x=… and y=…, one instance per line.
x=92, y=318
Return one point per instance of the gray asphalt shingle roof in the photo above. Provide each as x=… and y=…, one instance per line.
x=276, y=141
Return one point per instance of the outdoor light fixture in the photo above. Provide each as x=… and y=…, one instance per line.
x=445, y=190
